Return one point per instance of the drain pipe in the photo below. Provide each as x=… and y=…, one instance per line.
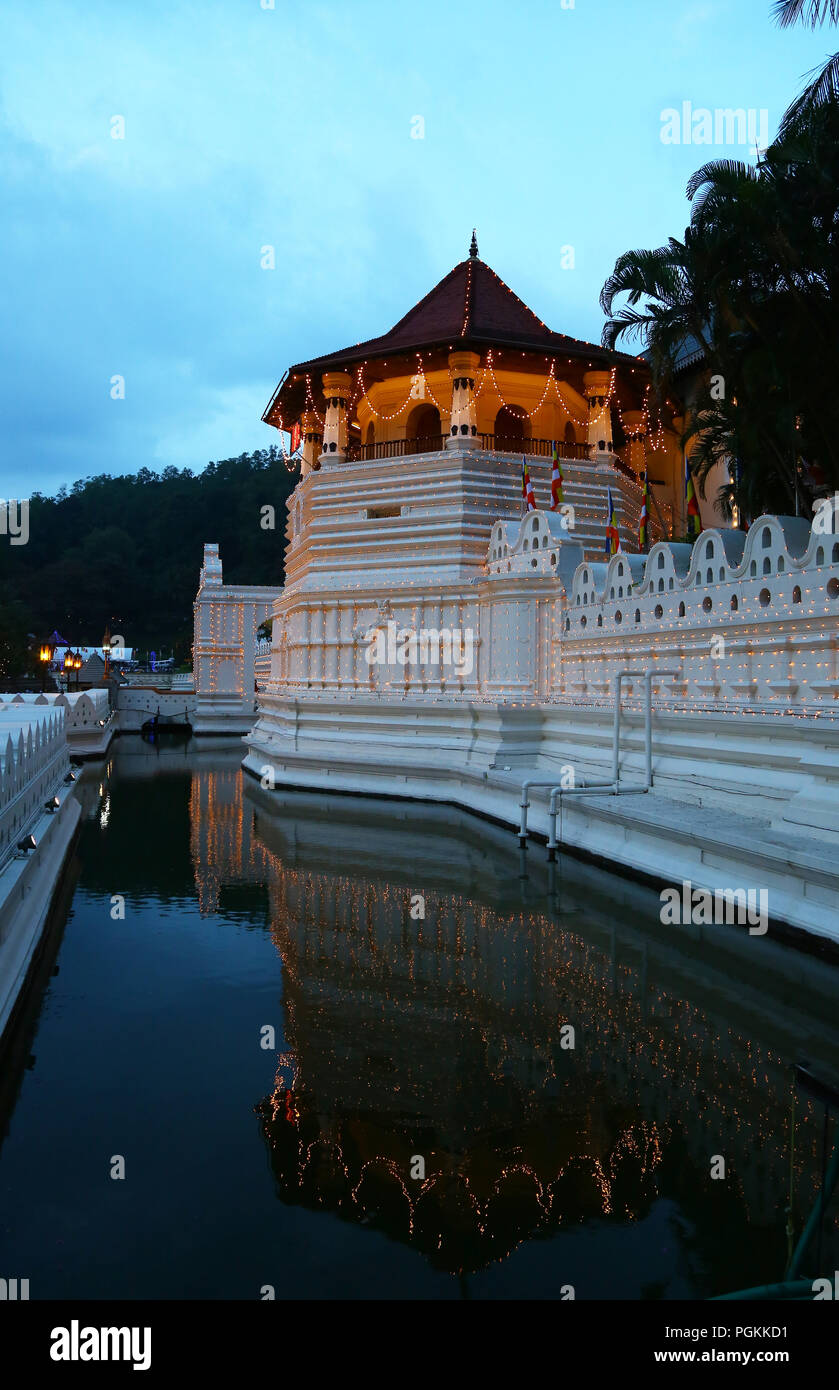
x=524, y=804
x=614, y=787
x=598, y=786
x=649, y=677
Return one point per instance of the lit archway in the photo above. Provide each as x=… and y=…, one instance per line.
x=423, y=432
x=511, y=429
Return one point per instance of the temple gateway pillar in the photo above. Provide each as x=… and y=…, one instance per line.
x=336, y=388
x=596, y=391
x=464, y=427
x=635, y=424
x=312, y=443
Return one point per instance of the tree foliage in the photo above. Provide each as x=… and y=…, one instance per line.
x=127, y=551
x=754, y=287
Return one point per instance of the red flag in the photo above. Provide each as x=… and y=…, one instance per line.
x=527, y=494
x=556, y=480
x=692, y=517
x=643, y=524
x=613, y=539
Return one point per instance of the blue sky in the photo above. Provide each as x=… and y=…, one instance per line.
x=291, y=127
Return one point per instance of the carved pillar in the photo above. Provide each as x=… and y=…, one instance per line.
x=312, y=443
x=464, y=423
x=596, y=392
x=336, y=388
x=635, y=424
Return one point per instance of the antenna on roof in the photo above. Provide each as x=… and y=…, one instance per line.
x=473, y=248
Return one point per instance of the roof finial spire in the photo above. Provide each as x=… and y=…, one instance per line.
x=473, y=248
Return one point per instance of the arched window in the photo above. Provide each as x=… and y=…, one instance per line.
x=423, y=432
x=570, y=433
x=511, y=428
x=796, y=595
x=766, y=538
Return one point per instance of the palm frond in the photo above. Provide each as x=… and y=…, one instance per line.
x=723, y=173
x=821, y=92
x=811, y=12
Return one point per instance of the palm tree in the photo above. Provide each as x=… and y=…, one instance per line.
x=824, y=86
x=755, y=285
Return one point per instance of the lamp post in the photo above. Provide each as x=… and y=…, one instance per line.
x=72, y=662
x=45, y=657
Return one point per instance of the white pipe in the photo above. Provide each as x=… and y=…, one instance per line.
x=534, y=782
x=649, y=677
x=614, y=787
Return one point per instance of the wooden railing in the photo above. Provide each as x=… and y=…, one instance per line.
x=397, y=448
x=534, y=448
x=494, y=443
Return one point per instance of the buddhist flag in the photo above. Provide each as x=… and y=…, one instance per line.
x=643, y=524
x=692, y=518
x=527, y=497
x=556, y=480
x=613, y=540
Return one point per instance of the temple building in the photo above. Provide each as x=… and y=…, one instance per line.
x=441, y=637
x=472, y=367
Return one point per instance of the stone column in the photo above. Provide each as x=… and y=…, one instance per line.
x=312, y=443
x=464, y=422
x=636, y=430
x=336, y=388
x=596, y=391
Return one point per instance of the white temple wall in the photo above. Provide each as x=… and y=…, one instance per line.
x=226, y=619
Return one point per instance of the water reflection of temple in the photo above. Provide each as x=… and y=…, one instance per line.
x=442, y=1038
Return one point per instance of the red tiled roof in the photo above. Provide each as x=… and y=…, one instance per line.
x=469, y=305
x=471, y=302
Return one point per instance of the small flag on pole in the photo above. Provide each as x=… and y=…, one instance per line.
x=643, y=524
x=556, y=479
x=693, y=521
x=527, y=497
x=613, y=540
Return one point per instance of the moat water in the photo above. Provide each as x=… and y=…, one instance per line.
x=347, y=1048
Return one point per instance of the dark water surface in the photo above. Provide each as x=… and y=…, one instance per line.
x=396, y=1039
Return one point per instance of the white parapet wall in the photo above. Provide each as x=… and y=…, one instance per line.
x=401, y=669
x=38, y=818
x=89, y=724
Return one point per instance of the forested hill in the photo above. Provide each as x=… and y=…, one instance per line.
x=128, y=550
